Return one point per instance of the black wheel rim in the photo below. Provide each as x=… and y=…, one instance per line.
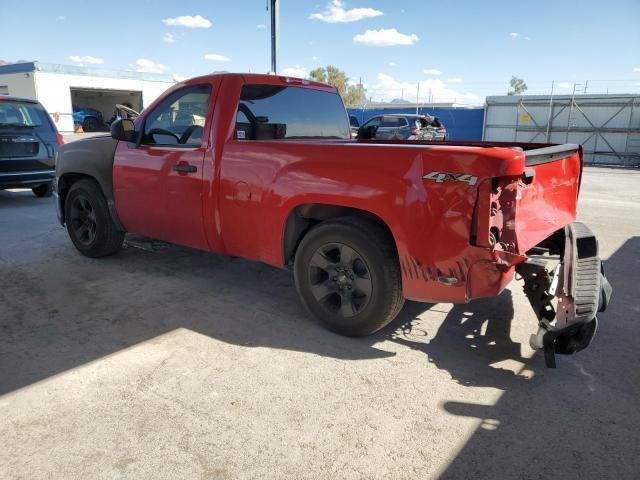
x=83, y=220
x=340, y=279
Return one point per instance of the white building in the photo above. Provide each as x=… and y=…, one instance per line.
x=60, y=88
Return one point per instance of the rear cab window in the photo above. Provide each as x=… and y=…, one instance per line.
x=275, y=112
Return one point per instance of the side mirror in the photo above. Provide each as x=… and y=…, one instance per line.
x=367, y=133
x=124, y=130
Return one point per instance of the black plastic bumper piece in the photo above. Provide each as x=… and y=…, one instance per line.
x=586, y=291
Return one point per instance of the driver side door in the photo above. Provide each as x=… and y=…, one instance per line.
x=158, y=181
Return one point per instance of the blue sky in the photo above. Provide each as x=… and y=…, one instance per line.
x=460, y=50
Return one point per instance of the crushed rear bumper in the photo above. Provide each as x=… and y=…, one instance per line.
x=568, y=296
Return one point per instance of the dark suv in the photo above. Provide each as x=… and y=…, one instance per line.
x=407, y=127
x=28, y=144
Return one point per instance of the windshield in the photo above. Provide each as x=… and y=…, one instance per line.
x=21, y=114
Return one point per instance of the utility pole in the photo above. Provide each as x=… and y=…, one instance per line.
x=418, y=97
x=550, y=115
x=274, y=35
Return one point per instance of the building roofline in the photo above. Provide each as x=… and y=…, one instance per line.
x=36, y=66
x=18, y=67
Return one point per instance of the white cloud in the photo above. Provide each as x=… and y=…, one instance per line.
x=149, y=66
x=455, y=80
x=393, y=64
x=169, y=38
x=432, y=71
x=297, y=71
x=637, y=69
x=179, y=78
x=261, y=25
x=388, y=88
x=214, y=57
x=197, y=21
x=385, y=37
x=335, y=12
x=62, y=18
x=82, y=59
x=527, y=38
x=315, y=58
x=514, y=35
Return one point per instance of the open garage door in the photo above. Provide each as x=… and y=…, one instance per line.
x=94, y=108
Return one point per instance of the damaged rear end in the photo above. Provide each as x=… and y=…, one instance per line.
x=528, y=221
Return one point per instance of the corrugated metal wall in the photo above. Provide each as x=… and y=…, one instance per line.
x=461, y=123
x=607, y=126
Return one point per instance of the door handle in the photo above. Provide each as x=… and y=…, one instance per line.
x=184, y=168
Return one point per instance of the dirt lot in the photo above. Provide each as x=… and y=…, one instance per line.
x=178, y=364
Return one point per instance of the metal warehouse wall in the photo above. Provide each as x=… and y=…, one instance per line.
x=607, y=126
x=461, y=123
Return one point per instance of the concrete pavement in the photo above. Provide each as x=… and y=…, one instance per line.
x=179, y=364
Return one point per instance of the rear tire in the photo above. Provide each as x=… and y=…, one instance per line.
x=89, y=223
x=348, y=276
x=90, y=124
x=42, y=191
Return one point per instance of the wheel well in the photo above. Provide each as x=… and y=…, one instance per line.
x=304, y=217
x=66, y=181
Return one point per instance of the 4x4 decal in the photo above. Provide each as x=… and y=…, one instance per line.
x=441, y=177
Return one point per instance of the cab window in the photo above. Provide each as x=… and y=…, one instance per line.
x=179, y=120
x=275, y=112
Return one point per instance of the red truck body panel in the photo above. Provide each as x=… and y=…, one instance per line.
x=243, y=192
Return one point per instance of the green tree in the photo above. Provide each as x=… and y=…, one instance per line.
x=353, y=95
x=517, y=86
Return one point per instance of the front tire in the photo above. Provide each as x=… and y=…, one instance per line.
x=90, y=124
x=89, y=222
x=348, y=276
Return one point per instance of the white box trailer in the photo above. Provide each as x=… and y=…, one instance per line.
x=61, y=87
x=607, y=126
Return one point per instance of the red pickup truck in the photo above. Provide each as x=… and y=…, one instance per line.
x=263, y=167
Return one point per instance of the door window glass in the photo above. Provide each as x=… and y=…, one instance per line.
x=179, y=119
x=373, y=122
x=393, y=122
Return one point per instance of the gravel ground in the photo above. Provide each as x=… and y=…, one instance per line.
x=172, y=363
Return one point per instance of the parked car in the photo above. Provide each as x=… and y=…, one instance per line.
x=354, y=124
x=29, y=142
x=90, y=118
x=407, y=127
x=265, y=169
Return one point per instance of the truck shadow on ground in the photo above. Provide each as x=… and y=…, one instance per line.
x=61, y=310
x=469, y=341
x=580, y=420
